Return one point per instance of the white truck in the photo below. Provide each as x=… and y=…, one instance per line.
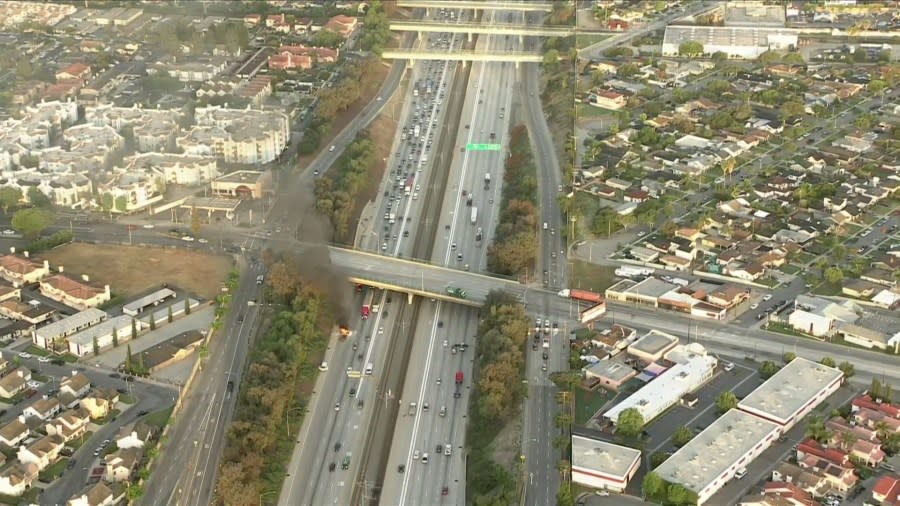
x=627, y=271
x=392, y=218
x=474, y=215
x=416, y=131
x=487, y=179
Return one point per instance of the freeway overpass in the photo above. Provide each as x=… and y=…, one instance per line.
x=489, y=29
x=462, y=4
x=465, y=55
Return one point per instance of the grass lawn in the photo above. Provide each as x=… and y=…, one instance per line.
x=789, y=269
x=40, y=377
x=588, y=111
x=588, y=403
x=68, y=357
x=584, y=40
x=782, y=328
x=127, y=399
x=76, y=443
x=29, y=497
x=826, y=288
x=587, y=276
x=771, y=283
x=158, y=418
x=53, y=472
x=40, y=352
x=803, y=258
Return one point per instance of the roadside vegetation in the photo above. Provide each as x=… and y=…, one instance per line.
x=496, y=399
x=336, y=194
x=515, y=240
x=281, y=368
x=558, y=78
x=337, y=99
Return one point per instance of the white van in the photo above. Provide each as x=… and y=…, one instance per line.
x=369, y=369
x=545, y=225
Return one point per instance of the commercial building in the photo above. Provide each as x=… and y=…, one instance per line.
x=713, y=456
x=601, y=465
x=137, y=306
x=652, y=346
x=792, y=392
x=747, y=42
x=609, y=374
x=50, y=336
x=243, y=184
x=692, y=366
x=82, y=343
x=820, y=317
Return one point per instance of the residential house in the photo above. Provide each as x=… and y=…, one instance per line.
x=71, y=424
x=880, y=276
x=73, y=72
x=864, y=410
x=779, y=493
x=833, y=463
x=122, y=463
x=41, y=453
x=887, y=490
x=99, y=402
x=607, y=100
x=98, y=494
x=22, y=270
x=807, y=480
x=14, y=382
x=14, y=433
x=861, y=442
x=344, y=25
x=635, y=195
x=750, y=271
x=70, y=292
x=75, y=385
x=728, y=296
x=42, y=409
x=859, y=289
x=134, y=436
x=17, y=478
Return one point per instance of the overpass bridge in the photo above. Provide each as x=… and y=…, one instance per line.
x=530, y=6
x=488, y=29
x=465, y=55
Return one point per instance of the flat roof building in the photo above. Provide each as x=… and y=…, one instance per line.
x=712, y=457
x=792, y=392
x=82, y=343
x=647, y=291
x=652, y=345
x=693, y=367
x=602, y=465
x=610, y=373
x=47, y=336
x=136, y=306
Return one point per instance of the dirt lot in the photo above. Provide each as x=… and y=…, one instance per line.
x=129, y=270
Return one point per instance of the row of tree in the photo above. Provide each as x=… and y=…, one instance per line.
x=337, y=196
x=268, y=395
x=515, y=240
x=376, y=31
x=498, y=396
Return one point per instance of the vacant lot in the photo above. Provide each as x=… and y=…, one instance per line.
x=129, y=270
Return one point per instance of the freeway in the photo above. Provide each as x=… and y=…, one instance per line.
x=464, y=55
x=348, y=423
x=191, y=464
x=470, y=210
x=492, y=29
x=463, y=4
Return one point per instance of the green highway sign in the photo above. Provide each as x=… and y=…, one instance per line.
x=483, y=147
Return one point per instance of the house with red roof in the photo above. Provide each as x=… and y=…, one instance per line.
x=866, y=411
x=865, y=446
x=833, y=463
x=301, y=57
x=344, y=25
x=73, y=72
x=780, y=493
x=887, y=491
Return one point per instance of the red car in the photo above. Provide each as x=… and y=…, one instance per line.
x=445, y=491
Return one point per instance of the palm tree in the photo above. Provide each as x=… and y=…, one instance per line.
x=817, y=430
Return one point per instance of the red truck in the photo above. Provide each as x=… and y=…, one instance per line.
x=584, y=295
x=459, y=377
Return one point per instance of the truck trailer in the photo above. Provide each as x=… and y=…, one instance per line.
x=474, y=215
x=572, y=293
x=627, y=271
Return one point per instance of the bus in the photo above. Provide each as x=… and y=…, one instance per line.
x=367, y=304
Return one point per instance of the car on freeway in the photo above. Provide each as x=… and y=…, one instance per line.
x=415, y=455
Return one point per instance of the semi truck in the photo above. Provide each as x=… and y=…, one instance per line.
x=367, y=305
x=474, y=215
x=459, y=377
x=407, y=189
x=479, y=234
x=459, y=380
x=572, y=293
x=630, y=272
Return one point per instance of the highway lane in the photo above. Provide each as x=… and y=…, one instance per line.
x=391, y=232
x=187, y=471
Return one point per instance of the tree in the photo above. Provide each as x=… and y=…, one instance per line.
x=834, y=275
x=133, y=328
x=789, y=357
x=107, y=202
x=187, y=306
x=847, y=368
x=115, y=337
x=816, y=429
x=658, y=458
x=654, y=486
x=677, y=494
x=681, y=436
x=169, y=316
x=37, y=198
x=551, y=59
x=690, y=48
x=725, y=401
x=876, y=86
x=128, y=357
x=768, y=58
x=630, y=423
x=768, y=369
x=828, y=362
x=793, y=59
x=9, y=197
x=195, y=221
x=31, y=222
x=121, y=203
x=152, y=322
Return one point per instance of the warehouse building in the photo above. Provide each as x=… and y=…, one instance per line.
x=601, y=465
x=652, y=346
x=692, y=367
x=792, y=392
x=710, y=460
x=735, y=41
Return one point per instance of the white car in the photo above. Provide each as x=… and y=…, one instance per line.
x=754, y=305
x=323, y=366
x=416, y=455
x=24, y=354
x=187, y=238
x=729, y=366
x=331, y=148
x=9, y=232
x=767, y=297
x=43, y=360
x=149, y=225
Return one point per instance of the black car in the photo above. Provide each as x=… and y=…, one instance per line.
x=58, y=361
x=115, y=375
x=401, y=468
x=545, y=356
x=142, y=413
x=332, y=467
x=352, y=391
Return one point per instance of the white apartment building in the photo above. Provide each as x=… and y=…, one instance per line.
x=237, y=135
x=175, y=168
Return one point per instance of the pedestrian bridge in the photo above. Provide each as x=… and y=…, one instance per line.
x=488, y=29
x=529, y=6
